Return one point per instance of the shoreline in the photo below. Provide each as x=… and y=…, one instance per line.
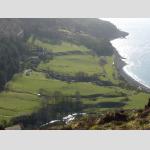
x=119, y=63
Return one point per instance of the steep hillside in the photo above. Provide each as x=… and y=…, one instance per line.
x=50, y=68
x=94, y=27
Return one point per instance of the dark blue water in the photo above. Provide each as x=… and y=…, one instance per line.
x=135, y=48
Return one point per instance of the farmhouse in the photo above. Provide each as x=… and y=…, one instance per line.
x=28, y=72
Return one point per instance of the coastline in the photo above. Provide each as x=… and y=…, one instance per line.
x=119, y=63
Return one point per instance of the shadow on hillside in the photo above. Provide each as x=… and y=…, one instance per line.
x=106, y=105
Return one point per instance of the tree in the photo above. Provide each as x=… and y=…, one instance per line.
x=81, y=76
x=77, y=96
x=102, y=61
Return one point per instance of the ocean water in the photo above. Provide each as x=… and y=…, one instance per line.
x=135, y=47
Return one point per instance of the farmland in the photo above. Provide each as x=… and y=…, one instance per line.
x=15, y=104
x=72, y=64
x=21, y=95
x=31, y=84
x=73, y=68
x=61, y=47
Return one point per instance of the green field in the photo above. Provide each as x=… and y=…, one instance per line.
x=36, y=81
x=100, y=100
x=72, y=64
x=22, y=98
x=134, y=101
x=62, y=47
x=14, y=104
x=138, y=101
x=21, y=95
x=110, y=70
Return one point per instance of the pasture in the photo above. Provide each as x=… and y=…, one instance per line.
x=61, y=47
x=15, y=104
x=21, y=94
x=31, y=84
x=72, y=64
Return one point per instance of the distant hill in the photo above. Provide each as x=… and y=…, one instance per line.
x=94, y=27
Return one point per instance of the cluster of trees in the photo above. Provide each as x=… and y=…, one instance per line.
x=12, y=52
x=92, y=26
x=53, y=107
x=78, y=77
x=100, y=46
x=82, y=76
x=36, y=56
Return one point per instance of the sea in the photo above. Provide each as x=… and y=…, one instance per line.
x=135, y=48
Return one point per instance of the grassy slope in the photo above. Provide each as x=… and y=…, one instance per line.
x=72, y=64
x=34, y=82
x=110, y=70
x=21, y=95
x=63, y=47
x=14, y=104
